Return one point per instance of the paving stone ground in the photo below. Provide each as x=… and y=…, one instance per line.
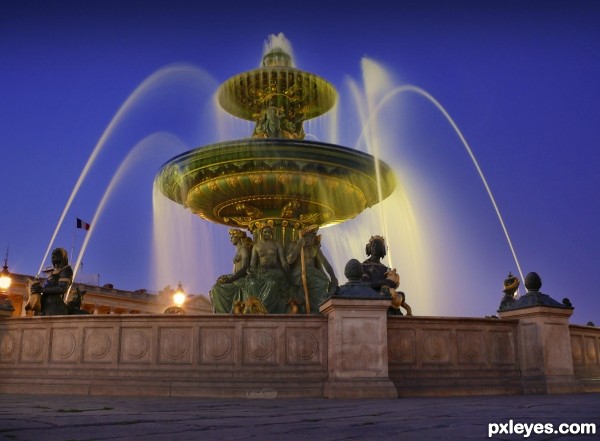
x=84, y=418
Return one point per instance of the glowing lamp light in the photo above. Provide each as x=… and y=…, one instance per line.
x=179, y=296
x=6, y=306
x=5, y=279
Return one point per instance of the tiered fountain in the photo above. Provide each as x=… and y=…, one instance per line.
x=276, y=177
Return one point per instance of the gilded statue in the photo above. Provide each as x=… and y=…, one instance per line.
x=511, y=285
x=274, y=123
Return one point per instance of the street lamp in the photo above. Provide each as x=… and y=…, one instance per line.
x=6, y=306
x=179, y=297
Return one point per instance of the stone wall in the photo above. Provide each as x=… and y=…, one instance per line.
x=453, y=356
x=585, y=344
x=206, y=356
x=340, y=354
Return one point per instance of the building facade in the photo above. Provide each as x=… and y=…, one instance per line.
x=107, y=299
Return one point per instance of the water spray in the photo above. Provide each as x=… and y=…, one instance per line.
x=419, y=91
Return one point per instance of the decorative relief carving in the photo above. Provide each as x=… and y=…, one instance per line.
x=309, y=180
x=591, y=350
x=233, y=181
x=402, y=346
x=64, y=344
x=502, y=349
x=175, y=345
x=8, y=344
x=135, y=344
x=33, y=345
x=217, y=345
x=470, y=346
x=436, y=346
x=303, y=346
x=259, y=345
x=284, y=179
x=577, y=349
x=97, y=344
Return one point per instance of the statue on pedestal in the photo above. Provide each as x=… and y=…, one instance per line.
x=375, y=272
x=356, y=287
x=381, y=278
x=268, y=274
x=310, y=267
x=228, y=288
x=50, y=297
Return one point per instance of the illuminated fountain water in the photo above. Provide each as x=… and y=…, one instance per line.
x=416, y=220
x=181, y=240
x=169, y=80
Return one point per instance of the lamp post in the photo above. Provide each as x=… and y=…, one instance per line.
x=179, y=297
x=6, y=306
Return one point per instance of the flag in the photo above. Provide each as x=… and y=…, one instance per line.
x=82, y=224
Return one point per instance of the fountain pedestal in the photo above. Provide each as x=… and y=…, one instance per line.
x=357, y=349
x=545, y=354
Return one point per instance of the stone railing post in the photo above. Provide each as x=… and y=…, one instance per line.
x=545, y=355
x=357, y=348
x=545, y=350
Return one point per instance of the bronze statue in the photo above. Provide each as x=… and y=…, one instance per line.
x=310, y=267
x=74, y=304
x=228, y=288
x=383, y=279
x=52, y=293
x=357, y=287
x=272, y=122
x=269, y=123
x=268, y=274
x=375, y=272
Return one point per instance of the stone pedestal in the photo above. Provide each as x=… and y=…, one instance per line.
x=545, y=355
x=358, y=349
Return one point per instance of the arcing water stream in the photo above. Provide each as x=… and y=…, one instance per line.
x=180, y=243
